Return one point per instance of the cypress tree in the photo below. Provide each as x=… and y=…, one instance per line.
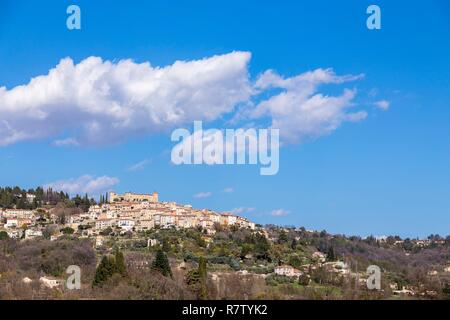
x=202, y=272
x=331, y=255
x=120, y=263
x=202, y=268
x=293, y=244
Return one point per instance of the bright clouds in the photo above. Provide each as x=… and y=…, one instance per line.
x=383, y=104
x=203, y=195
x=279, y=213
x=104, y=102
x=99, y=102
x=85, y=184
x=299, y=110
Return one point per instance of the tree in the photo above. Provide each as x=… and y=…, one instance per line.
x=67, y=230
x=105, y=270
x=262, y=247
x=165, y=245
x=331, y=255
x=282, y=238
x=202, y=268
x=202, y=272
x=161, y=264
x=196, y=279
x=293, y=244
x=304, y=279
x=120, y=263
x=106, y=232
x=3, y=235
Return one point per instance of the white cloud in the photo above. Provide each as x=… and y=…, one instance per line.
x=299, y=110
x=228, y=190
x=202, y=195
x=66, y=142
x=138, y=166
x=383, y=104
x=105, y=102
x=279, y=213
x=242, y=210
x=85, y=184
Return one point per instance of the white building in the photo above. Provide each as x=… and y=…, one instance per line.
x=18, y=213
x=30, y=197
x=104, y=223
x=30, y=233
x=11, y=223
x=15, y=233
x=50, y=282
x=287, y=271
x=126, y=224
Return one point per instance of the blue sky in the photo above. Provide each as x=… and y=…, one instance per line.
x=387, y=173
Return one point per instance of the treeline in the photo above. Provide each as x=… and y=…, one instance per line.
x=15, y=197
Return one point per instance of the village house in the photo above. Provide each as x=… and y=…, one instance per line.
x=24, y=222
x=11, y=223
x=287, y=271
x=15, y=233
x=101, y=224
x=18, y=213
x=145, y=224
x=30, y=197
x=30, y=233
x=228, y=219
x=50, y=282
x=406, y=292
x=126, y=224
x=186, y=221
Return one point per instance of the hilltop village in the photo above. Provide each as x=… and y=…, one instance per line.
x=130, y=212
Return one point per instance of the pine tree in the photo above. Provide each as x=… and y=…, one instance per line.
x=105, y=269
x=161, y=264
